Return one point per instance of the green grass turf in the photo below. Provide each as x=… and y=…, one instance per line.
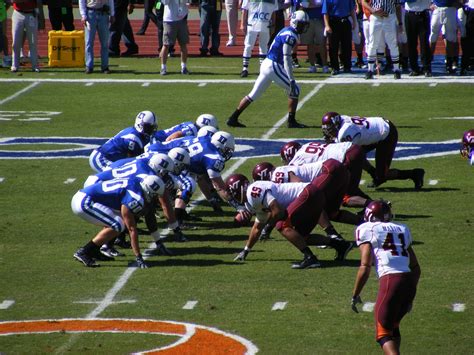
x=39, y=233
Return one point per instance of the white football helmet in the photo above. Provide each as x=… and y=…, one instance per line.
x=180, y=158
x=206, y=131
x=152, y=187
x=161, y=163
x=206, y=119
x=299, y=21
x=224, y=142
x=145, y=122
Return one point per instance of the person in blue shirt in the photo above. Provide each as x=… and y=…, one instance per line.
x=114, y=205
x=277, y=67
x=129, y=142
x=339, y=30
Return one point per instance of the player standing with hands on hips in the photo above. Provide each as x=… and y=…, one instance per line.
x=277, y=67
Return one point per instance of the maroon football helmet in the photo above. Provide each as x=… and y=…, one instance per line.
x=330, y=124
x=467, y=143
x=262, y=171
x=237, y=186
x=378, y=211
x=288, y=151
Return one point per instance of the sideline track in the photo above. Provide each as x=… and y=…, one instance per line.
x=123, y=279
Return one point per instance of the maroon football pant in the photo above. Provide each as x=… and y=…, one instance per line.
x=394, y=299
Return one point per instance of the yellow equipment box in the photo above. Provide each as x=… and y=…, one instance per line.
x=66, y=48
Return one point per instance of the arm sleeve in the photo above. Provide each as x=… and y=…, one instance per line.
x=287, y=60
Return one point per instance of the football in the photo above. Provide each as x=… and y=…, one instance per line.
x=242, y=219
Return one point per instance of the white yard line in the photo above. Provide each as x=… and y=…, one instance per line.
x=300, y=105
x=18, y=93
x=279, y=306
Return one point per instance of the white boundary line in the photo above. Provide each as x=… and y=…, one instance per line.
x=122, y=280
x=331, y=80
x=18, y=93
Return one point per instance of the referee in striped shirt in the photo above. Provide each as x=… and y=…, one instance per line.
x=384, y=22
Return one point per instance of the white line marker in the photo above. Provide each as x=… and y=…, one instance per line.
x=433, y=85
x=6, y=304
x=190, y=305
x=35, y=119
x=89, y=84
x=146, y=84
x=202, y=85
x=70, y=180
x=376, y=84
x=97, y=302
x=2, y=179
x=453, y=118
x=362, y=182
x=279, y=306
x=459, y=307
x=368, y=307
x=15, y=95
x=433, y=182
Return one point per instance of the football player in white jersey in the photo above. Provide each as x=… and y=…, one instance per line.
x=371, y=133
x=278, y=68
x=294, y=208
x=467, y=149
x=388, y=245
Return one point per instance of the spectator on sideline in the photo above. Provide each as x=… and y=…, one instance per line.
x=175, y=26
x=27, y=18
x=257, y=17
x=210, y=12
x=388, y=245
x=444, y=18
x=96, y=16
x=417, y=25
x=60, y=14
x=314, y=36
x=121, y=29
x=232, y=14
x=4, y=5
x=148, y=6
x=339, y=30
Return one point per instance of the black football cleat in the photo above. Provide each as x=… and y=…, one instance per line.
x=235, y=123
x=342, y=250
x=81, y=255
x=307, y=263
x=369, y=75
x=295, y=124
x=418, y=175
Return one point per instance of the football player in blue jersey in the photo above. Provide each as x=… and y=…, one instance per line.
x=277, y=67
x=185, y=129
x=114, y=204
x=155, y=164
x=208, y=156
x=129, y=142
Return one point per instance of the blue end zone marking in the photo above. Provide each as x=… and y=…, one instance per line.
x=245, y=148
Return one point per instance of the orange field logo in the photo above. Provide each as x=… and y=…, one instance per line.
x=193, y=338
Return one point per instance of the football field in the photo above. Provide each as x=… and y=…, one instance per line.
x=200, y=301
